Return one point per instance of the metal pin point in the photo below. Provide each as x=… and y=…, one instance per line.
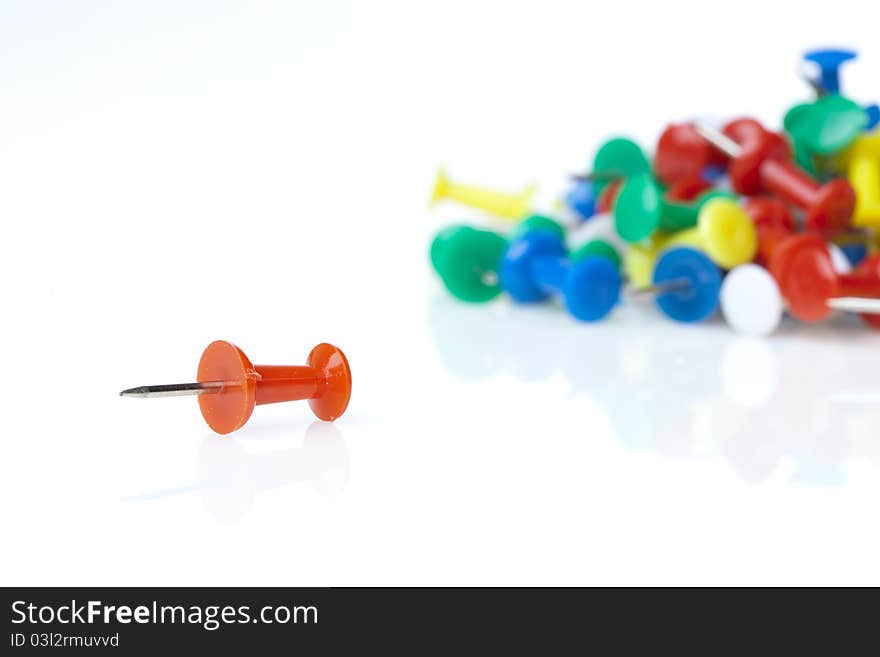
x=175, y=390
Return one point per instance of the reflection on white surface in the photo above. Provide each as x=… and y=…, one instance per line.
x=230, y=478
x=795, y=399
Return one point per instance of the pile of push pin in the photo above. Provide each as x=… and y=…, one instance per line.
x=755, y=222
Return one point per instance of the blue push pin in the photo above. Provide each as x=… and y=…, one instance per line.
x=829, y=62
x=535, y=266
x=855, y=252
x=714, y=174
x=686, y=285
x=873, y=112
x=581, y=198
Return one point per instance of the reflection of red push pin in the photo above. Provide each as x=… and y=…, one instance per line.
x=761, y=161
x=229, y=386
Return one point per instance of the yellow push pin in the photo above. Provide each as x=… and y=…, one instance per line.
x=499, y=204
x=639, y=259
x=724, y=232
x=861, y=161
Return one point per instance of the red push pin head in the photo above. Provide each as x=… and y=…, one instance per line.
x=229, y=386
x=745, y=131
x=804, y=270
x=805, y=273
x=683, y=153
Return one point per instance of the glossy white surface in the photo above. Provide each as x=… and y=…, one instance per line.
x=175, y=173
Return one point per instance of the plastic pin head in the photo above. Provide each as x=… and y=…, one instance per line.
x=751, y=301
x=467, y=261
x=697, y=298
x=619, y=157
x=829, y=62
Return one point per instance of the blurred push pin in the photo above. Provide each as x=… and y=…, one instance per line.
x=616, y=159
x=829, y=62
x=499, y=204
x=683, y=153
x=681, y=279
x=536, y=266
x=861, y=161
x=685, y=285
x=762, y=163
x=801, y=280
x=229, y=386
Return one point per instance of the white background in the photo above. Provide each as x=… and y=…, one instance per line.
x=177, y=172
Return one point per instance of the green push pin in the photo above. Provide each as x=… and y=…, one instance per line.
x=597, y=247
x=467, y=259
x=617, y=158
x=805, y=158
x=803, y=155
x=641, y=210
x=826, y=126
x=538, y=222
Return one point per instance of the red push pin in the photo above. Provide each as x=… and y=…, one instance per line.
x=804, y=271
x=866, y=279
x=761, y=161
x=229, y=386
x=687, y=188
x=683, y=153
x=773, y=223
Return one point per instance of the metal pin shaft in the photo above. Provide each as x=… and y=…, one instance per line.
x=174, y=390
x=817, y=88
x=718, y=139
x=599, y=176
x=856, y=305
x=657, y=289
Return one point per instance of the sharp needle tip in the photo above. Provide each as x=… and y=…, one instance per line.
x=134, y=392
x=174, y=389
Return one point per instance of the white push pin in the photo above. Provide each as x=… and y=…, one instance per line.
x=750, y=300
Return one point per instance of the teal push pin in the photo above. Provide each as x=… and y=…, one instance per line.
x=829, y=62
x=640, y=209
x=616, y=159
x=826, y=126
